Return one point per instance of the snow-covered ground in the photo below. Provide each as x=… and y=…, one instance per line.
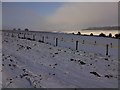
x=29, y=64
x=0, y=59
x=86, y=43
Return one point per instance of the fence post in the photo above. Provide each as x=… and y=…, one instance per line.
x=33, y=37
x=111, y=45
x=107, y=49
x=76, y=45
x=43, y=39
x=56, y=42
x=18, y=35
x=24, y=35
x=12, y=35
x=95, y=43
x=83, y=42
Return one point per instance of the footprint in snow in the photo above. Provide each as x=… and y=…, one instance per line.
x=108, y=76
x=95, y=73
x=82, y=63
x=56, y=53
x=28, y=48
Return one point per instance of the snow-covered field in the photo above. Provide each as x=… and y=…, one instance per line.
x=0, y=59
x=33, y=64
x=86, y=43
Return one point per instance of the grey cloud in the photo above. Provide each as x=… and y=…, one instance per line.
x=86, y=14
x=70, y=16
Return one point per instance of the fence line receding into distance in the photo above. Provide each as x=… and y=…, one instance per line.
x=102, y=45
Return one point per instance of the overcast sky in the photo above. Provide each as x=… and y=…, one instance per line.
x=59, y=0
x=58, y=16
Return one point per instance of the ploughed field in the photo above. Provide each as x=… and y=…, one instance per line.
x=32, y=64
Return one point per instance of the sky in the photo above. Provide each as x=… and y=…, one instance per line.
x=58, y=16
x=60, y=0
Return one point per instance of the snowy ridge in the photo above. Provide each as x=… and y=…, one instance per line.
x=29, y=63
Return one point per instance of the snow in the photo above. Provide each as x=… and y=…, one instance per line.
x=69, y=41
x=33, y=64
x=0, y=59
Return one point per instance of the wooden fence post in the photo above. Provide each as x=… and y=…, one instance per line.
x=24, y=35
x=76, y=45
x=33, y=37
x=12, y=35
x=18, y=35
x=83, y=42
x=95, y=43
x=107, y=46
x=111, y=45
x=56, y=42
x=43, y=39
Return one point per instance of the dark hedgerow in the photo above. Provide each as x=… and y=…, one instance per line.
x=26, y=29
x=79, y=33
x=110, y=35
x=117, y=36
x=102, y=35
x=91, y=34
x=19, y=29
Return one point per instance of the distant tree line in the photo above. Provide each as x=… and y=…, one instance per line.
x=117, y=35
x=101, y=35
x=79, y=33
x=26, y=29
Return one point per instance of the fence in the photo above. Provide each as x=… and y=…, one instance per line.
x=101, y=45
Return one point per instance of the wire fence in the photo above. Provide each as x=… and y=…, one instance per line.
x=106, y=48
